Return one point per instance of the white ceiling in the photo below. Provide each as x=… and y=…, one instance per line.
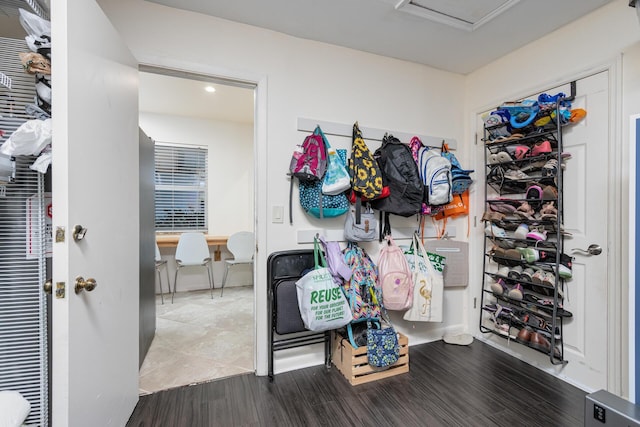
x=187, y=97
x=454, y=35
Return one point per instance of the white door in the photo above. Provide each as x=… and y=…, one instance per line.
x=585, y=189
x=585, y=215
x=95, y=184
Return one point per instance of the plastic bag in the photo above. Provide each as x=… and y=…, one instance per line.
x=30, y=138
x=322, y=303
x=38, y=33
x=336, y=179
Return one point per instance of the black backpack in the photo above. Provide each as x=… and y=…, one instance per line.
x=400, y=172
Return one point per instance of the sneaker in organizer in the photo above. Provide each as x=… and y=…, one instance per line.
x=537, y=235
x=565, y=266
x=516, y=292
x=492, y=230
x=516, y=174
x=521, y=231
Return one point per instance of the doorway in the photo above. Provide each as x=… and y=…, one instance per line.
x=199, y=337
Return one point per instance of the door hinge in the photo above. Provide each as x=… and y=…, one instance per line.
x=476, y=138
x=475, y=300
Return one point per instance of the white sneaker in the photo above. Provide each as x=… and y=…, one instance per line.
x=503, y=271
x=516, y=174
x=521, y=231
x=493, y=230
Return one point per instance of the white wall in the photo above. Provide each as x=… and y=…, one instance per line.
x=230, y=158
x=300, y=78
x=608, y=37
x=230, y=185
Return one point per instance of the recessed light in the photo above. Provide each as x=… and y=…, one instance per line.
x=210, y=89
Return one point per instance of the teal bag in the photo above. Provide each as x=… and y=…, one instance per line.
x=321, y=205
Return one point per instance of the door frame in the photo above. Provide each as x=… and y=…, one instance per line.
x=634, y=137
x=173, y=67
x=617, y=205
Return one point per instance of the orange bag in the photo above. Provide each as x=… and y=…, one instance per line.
x=458, y=207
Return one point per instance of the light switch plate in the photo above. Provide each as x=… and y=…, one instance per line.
x=277, y=214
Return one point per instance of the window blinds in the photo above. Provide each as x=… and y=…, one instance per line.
x=180, y=188
x=23, y=308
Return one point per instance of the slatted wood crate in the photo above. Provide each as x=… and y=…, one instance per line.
x=352, y=362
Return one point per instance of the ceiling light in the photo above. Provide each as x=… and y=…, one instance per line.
x=210, y=89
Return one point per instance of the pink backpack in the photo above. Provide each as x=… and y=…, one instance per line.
x=395, y=277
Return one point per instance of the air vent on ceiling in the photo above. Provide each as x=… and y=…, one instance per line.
x=462, y=14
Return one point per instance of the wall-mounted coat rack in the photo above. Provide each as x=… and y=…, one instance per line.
x=372, y=134
x=399, y=233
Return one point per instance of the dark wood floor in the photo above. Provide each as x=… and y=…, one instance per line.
x=447, y=385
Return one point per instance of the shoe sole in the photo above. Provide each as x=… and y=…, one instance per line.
x=515, y=294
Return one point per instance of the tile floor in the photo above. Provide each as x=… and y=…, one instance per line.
x=199, y=339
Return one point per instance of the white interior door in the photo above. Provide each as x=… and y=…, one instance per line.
x=586, y=188
x=95, y=184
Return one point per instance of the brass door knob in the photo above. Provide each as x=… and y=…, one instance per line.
x=85, y=285
x=48, y=286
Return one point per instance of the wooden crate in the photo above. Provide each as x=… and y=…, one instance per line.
x=353, y=363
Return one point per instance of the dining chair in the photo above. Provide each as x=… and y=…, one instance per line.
x=159, y=264
x=242, y=246
x=192, y=251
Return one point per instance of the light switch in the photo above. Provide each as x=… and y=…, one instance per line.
x=277, y=214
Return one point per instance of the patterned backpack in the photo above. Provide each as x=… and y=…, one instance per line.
x=362, y=290
x=366, y=178
x=309, y=164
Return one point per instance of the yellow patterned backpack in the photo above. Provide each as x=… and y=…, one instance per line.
x=366, y=178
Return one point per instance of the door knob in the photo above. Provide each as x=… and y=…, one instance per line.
x=48, y=286
x=85, y=285
x=593, y=249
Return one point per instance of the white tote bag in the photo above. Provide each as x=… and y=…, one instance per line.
x=322, y=303
x=428, y=291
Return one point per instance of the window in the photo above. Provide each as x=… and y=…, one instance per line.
x=180, y=188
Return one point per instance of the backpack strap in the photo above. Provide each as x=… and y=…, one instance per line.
x=370, y=322
x=385, y=227
x=290, y=202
